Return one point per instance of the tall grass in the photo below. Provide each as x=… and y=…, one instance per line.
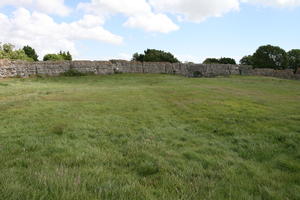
x=149, y=137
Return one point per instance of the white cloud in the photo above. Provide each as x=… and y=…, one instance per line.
x=47, y=6
x=152, y=23
x=43, y=33
x=195, y=10
x=139, y=14
x=31, y=24
x=276, y=3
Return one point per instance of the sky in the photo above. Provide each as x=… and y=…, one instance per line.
x=115, y=29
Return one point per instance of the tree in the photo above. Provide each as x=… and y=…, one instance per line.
x=8, y=48
x=153, y=55
x=30, y=52
x=227, y=61
x=7, y=52
x=69, y=56
x=60, y=56
x=211, y=61
x=246, y=60
x=219, y=61
x=53, y=57
x=294, y=59
x=138, y=57
x=269, y=56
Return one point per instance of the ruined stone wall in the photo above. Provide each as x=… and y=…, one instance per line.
x=212, y=70
x=297, y=74
x=94, y=67
x=7, y=69
x=123, y=66
x=51, y=68
x=26, y=69
x=54, y=68
x=286, y=74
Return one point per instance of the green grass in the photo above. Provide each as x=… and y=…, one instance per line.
x=149, y=137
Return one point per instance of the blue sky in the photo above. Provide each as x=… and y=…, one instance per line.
x=191, y=29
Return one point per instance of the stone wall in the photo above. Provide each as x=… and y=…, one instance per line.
x=212, y=70
x=95, y=67
x=54, y=68
x=7, y=69
x=286, y=74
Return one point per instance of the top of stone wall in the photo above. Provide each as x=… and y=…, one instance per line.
x=4, y=62
x=91, y=61
x=7, y=61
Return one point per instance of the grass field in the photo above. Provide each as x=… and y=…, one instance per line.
x=149, y=137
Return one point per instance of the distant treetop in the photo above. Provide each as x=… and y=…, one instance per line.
x=219, y=61
x=274, y=57
x=30, y=52
x=153, y=55
x=7, y=51
x=60, y=56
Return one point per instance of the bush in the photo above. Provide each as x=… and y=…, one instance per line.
x=7, y=51
x=53, y=57
x=219, y=61
x=211, y=61
x=30, y=52
x=246, y=60
x=227, y=61
x=60, y=56
x=153, y=55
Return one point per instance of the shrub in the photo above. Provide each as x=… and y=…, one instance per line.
x=30, y=52
x=222, y=60
x=7, y=51
x=60, y=56
x=53, y=57
x=153, y=55
x=246, y=60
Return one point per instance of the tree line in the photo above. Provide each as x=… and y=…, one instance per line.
x=8, y=51
x=266, y=56
x=274, y=57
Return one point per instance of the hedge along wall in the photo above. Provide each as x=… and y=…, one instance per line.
x=54, y=68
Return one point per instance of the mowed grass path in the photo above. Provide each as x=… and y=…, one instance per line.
x=149, y=137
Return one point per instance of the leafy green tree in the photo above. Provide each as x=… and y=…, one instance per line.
x=69, y=56
x=7, y=52
x=227, y=61
x=246, y=60
x=211, y=61
x=294, y=58
x=65, y=55
x=153, y=55
x=60, y=56
x=269, y=56
x=138, y=57
x=8, y=48
x=53, y=57
x=219, y=61
x=30, y=52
